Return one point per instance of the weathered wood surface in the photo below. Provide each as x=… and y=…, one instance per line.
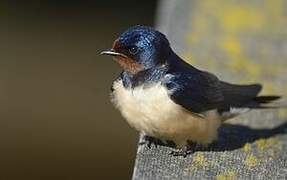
x=241, y=41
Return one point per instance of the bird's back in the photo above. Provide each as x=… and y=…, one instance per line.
x=200, y=91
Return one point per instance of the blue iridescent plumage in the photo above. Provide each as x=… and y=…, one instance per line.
x=193, y=89
x=164, y=97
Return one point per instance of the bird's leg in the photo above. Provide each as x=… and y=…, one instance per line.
x=186, y=150
x=149, y=140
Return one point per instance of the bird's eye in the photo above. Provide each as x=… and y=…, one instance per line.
x=133, y=50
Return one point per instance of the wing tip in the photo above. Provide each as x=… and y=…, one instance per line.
x=267, y=99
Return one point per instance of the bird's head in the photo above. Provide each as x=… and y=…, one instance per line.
x=139, y=48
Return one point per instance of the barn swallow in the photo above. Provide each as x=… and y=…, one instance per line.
x=167, y=99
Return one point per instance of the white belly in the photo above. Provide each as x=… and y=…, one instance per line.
x=151, y=111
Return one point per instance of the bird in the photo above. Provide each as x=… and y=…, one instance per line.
x=169, y=100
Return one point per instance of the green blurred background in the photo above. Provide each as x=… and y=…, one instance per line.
x=56, y=119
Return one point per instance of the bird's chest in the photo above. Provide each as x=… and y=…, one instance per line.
x=148, y=109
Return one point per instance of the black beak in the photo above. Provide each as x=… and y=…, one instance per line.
x=112, y=52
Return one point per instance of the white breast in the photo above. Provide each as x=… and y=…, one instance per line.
x=150, y=110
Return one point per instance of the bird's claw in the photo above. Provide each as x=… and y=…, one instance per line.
x=181, y=152
x=149, y=141
x=189, y=148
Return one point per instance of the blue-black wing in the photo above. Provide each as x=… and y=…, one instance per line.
x=197, y=92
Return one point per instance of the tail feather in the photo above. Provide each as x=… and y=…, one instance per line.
x=239, y=98
x=238, y=95
x=266, y=99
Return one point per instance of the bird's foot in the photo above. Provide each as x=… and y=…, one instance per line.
x=189, y=148
x=181, y=152
x=149, y=141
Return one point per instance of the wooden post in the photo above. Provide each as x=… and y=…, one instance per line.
x=240, y=41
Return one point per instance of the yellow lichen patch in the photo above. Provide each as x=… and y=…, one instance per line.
x=247, y=147
x=253, y=69
x=269, y=88
x=276, y=9
x=211, y=63
x=268, y=147
x=273, y=71
x=230, y=175
x=265, y=144
x=234, y=64
x=232, y=25
x=192, y=39
x=240, y=64
x=242, y=17
x=199, y=161
x=237, y=60
x=231, y=45
x=251, y=161
x=188, y=58
x=282, y=113
x=242, y=34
